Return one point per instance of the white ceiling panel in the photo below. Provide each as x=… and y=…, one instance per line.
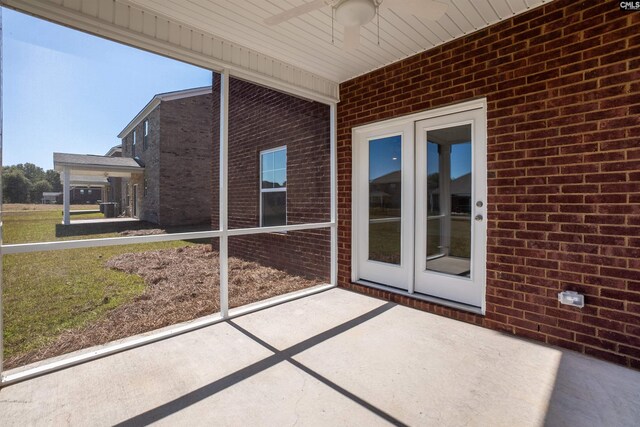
x=306, y=41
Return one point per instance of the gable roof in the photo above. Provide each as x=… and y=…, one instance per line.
x=83, y=165
x=157, y=99
x=67, y=159
x=389, y=178
x=113, y=150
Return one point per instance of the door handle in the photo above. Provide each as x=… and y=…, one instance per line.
x=479, y=218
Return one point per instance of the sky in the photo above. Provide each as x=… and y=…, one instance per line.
x=385, y=156
x=67, y=91
x=460, y=159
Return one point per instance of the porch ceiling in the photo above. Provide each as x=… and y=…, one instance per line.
x=88, y=180
x=306, y=41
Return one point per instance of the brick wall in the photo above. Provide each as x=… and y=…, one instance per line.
x=262, y=119
x=149, y=203
x=185, y=163
x=148, y=206
x=563, y=88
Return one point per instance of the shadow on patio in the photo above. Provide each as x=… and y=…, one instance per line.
x=350, y=359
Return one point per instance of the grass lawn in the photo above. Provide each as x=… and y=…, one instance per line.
x=384, y=242
x=460, y=237
x=384, y=239
x=28, y=226
x=61, y=301
x=46, y=293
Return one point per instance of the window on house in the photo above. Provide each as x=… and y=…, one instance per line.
x=273, y=187
x=145, y=137
x=89, y=191
x=133, y=145
x=81, y=191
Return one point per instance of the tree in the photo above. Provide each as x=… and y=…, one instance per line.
x=35, y=193
x=15, y=186
x=53, y=177
x=32, y=172
x=433, y=181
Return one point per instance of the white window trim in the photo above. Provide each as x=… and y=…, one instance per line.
x=145, y=134
x=274, y=190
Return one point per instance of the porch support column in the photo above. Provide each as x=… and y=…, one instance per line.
x=224, y=227
x=334, y=198
x=66, y=190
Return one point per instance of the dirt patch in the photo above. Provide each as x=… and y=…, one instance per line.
x=182, y=284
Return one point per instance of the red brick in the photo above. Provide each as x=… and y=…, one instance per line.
x=564, y=184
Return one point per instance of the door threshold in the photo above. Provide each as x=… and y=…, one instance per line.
x=423, y=297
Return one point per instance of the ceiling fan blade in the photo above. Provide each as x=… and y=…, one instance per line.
x=352, y=37
x=422, y=9
x=279, y=18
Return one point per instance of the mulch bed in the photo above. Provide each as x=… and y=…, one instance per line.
x=182, y=284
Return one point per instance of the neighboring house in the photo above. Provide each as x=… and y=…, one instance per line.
x=85, y=195
x=459, y=192
x=384, y=192
x=172, y=138
x=161, y=171
x=49, y=197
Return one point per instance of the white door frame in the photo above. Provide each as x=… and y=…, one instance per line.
x=380, y=129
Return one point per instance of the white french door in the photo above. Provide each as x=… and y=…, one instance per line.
x=420, y=205
x=450, y=226
x=385, y=205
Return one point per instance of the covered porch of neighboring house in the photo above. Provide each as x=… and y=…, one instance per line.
x=87, y=189
x=93, y=171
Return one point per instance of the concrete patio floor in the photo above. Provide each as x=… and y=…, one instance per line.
x=334, y=358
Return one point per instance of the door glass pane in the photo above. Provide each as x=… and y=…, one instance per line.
x=385, y=199
x=449, y=200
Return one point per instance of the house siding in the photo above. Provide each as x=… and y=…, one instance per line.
x=562, y=84
x=261, y=119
